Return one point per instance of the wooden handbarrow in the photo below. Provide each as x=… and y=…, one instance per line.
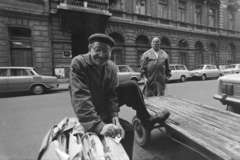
x=211, y=132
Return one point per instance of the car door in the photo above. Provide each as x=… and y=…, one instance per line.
x=3, y=80
x=124, y=73
x=180, y=71
x=215, y=71
x=18, y=80
x=208, y=71
x=173, y=72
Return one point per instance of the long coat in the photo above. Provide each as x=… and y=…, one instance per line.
x=155, y=70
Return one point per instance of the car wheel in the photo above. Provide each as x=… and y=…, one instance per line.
x=203, y=77
x=38, y=89
x=142, y=135
x=183, y=78
x=134, y=79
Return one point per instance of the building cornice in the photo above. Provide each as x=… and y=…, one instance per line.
x=18, y=10
x=34, y=1
x=12, y=12
x=170, y=28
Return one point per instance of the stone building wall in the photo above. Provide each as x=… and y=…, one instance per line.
x=40, y=42
x=61, y=41
x=130, y=33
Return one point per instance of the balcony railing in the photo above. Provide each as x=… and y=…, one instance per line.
x=86, y=4
x=142, y=18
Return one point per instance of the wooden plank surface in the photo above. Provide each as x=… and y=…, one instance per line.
x=213, y=132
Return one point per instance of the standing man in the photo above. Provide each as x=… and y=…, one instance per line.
x=155, y=70
x=96, y=95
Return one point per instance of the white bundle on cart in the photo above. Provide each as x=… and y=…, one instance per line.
x=69, y=141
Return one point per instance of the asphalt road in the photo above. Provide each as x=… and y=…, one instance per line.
x=25, y=119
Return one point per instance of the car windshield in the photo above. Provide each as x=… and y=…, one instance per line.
x=230, y=66
x=198, y=67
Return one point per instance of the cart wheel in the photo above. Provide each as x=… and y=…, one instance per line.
x=141, y=134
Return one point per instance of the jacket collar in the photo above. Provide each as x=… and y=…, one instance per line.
x=87, y=57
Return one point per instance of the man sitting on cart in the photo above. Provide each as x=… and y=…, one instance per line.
x=96, y=95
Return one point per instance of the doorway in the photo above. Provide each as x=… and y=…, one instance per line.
x=79, y=44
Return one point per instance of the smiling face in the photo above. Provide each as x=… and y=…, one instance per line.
x=156, y=44
x=100, y=53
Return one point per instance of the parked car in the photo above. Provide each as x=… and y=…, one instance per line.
x=125, y=73
x=205, y=71
x=228, y=92
x=231, y=69
x=179, y=72
x=25, y=79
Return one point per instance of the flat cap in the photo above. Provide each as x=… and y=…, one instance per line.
x=99, y=37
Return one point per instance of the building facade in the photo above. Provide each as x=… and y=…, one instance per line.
x=47, y=34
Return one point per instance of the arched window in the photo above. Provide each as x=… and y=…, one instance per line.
x=21, y=46
x=118, y=38
x=199, y=57
x=183, y=45
x=165, y=45
x=142, y=40
x=142, y=44
x=212, y=53
x=231, y=53
x=117, y=54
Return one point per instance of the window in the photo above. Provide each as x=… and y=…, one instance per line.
x=3, y=72
x=169, y=56
x=24, y=73
x=214, y=67
x=163, y=9
x=182, y=11
x=212, y=17
x=15, y=72
x=198, y=58
x=231, y=21
x=208, y=67
x=21, y=52
x=139, y=56
x=116, y=56
x=183, y=58
x=198, y=14
x=18, y=72
x=212, y=53
x=212, y=58
x=180, y=68
x=171, y=68
x=141, y=7
x=231, y=53
x=123, y=69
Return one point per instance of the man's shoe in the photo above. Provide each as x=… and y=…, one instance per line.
x=160, y=117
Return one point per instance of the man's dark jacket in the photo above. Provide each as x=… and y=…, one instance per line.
x=93, y=94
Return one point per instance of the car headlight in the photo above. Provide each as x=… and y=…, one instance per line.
x=227, y=88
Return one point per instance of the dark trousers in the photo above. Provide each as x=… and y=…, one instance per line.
x=129, y=94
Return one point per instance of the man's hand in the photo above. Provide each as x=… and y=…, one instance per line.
x=110, y=130
x=115, y=121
